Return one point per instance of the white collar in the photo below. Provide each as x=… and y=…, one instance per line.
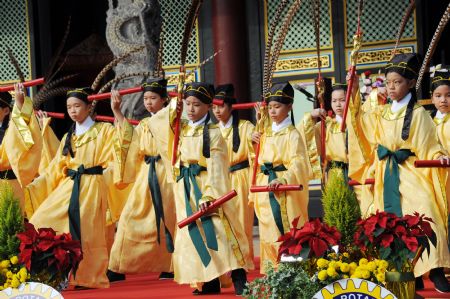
x=84, y=126
x=397, y=105
x=440, y=115
x=227, y=125
x=198, y=122
x=339, y=119
x=285, y=123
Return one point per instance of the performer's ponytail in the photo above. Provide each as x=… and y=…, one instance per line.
x=206, y=145
x=67, y=149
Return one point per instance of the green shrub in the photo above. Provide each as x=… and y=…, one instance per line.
x=11, y=221
x=290, y=281
x=340, y=205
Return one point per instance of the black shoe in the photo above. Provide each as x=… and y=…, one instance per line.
x=419, y=283
x=114, y=276
x=166, y=276
x=209, y=288
x=441, y=284
x=239, y=277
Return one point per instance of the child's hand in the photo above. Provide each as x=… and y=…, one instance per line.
x=445, y=160
x=116, y=100
x=204, y=206
x=256, y=137
x=19, y=92
x=319, y=113
x=258, y=111
x=274, y=184
x=40, y=116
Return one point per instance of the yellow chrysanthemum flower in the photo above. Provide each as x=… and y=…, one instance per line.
x=322, y=263
x=9, y=274
x=380, y=277
x=363, y=261
x=331, y=271
x=5, y=264
x=365, y=274
x=345, y=268
x=345, y=254
x=15, y=283
x=384, y=264
x=14, y=260
x=322, y=275
x=371, y=266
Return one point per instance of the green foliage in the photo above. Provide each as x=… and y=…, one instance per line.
x=11, y=221
x=290, y=281
x=341, y=208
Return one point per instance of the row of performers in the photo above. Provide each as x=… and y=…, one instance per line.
x=100, y=175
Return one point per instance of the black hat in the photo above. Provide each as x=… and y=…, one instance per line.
x=80, y=93
x=202, y=91
x=281, y=92
x=405, y=64
x=158, y=85
x=441, y=77
x=5, y=99
x=339, y=86
x=225, y=93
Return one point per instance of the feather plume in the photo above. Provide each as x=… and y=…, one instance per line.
x=16, y=65
x=403, y=23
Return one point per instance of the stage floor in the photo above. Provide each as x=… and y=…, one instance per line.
x=145, y=286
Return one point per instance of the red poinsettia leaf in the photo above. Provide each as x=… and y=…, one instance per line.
x=386, y=240
x=45, y=244
x=318, y=246
x=411, y=243
x=25, y=258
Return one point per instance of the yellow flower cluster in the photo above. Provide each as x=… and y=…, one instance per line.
x=11, y=274
x=338, y=269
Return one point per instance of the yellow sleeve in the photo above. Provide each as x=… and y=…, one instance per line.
x=50, y=144
x=37, y=191
x=310, y=134
x=126, y=145
x=23, y=143
x=249, y=128
x=217, y=182
x=296, y=161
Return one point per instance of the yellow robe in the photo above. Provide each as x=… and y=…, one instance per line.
x=50, y=145
x=135, y=248
x=21, y=148
x=47, y=199
x=443, y=134
x=240, y=179
x=285, y=147
x=421, y=190
x=213, y=183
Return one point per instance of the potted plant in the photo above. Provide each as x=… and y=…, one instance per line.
x=49, y=257
x=400, y=241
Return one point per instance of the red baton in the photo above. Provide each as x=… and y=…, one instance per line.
x=107, y=95
x=30, y=83
x=429, y=164
x=217, y=203
x=280, y=188
x=111, y=119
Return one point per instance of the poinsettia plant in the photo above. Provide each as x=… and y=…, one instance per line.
x=312, y=240
x=43, y=250
x=396, y=239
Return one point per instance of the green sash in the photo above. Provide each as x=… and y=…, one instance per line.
x=155, y=191
x=74, y=204
x=188, y=175
x=269, y=170
x=391, y=182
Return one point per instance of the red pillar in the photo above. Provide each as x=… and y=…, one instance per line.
x=229, y=35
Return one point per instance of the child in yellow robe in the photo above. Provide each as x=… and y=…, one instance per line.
x=238, y=137
x=283, y=160
x=404, y=133
x=440, y=95
x=20, y=139
x=72, y=194
x=144, y=238
x=207, y=248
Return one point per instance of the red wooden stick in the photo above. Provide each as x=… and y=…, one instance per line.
x=107, y=95
x=54, y=115
x=352, y=72
x=217, y=203
x=30, y=83
x=429, y=163
x=254, y=189
x=242, y=106
x=356, y=183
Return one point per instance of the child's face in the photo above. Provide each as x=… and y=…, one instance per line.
x=398, y=86
x=338, y=101
x=153, y=101
x=222, y=113
x=77, y=109
x=441, y=98
x=195, y=108
x=278, y=111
